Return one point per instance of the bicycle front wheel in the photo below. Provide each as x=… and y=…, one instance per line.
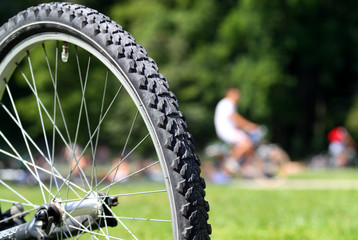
x=89, y=124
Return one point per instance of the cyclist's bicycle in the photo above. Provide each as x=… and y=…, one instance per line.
x=267, y=160
x=92, y=144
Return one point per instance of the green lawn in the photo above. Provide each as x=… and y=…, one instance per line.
x=276, y=214
x=244, y=213
x=339, y=174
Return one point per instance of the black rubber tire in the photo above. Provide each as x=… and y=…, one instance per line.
x=151, y=86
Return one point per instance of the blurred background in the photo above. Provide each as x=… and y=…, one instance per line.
x=295, y=62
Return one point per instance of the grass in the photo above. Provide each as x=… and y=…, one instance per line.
x=339, y=174
x=242, y=213
x=275, y=214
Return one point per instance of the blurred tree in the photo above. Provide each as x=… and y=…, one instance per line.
x=294, y=61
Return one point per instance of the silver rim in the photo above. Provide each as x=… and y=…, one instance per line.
x=57, y=180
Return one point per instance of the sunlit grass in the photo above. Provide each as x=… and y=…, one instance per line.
x=276, y=214
x=237, y=213
x=327, y=173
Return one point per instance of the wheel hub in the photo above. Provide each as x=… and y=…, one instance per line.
x=59, y=218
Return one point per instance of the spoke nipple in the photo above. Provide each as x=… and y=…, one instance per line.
x=64, y=54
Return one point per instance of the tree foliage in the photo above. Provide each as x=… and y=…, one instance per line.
x=294, y=61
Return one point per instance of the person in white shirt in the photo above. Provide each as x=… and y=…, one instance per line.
x=231, y=127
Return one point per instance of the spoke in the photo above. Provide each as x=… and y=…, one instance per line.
x=83, y=101
x=77, y=160
x=83, y=105
x=36, y=176
x=97, y=129
x=54, y=81
x=38, y=105
x=16, y=215
x=130, y=175
x=139, y=219
x=140, y=142
x=90, y=227
x=25, y=140
x=83, y=228
x=41, y=169
x=94, y=168
x=57, y=130
x=131, y=218
x=130, y=232
x=77, y=205
x=25, y=204
x=98, y=227
x=89, y=193
x=91, y=232
x=45, y=110
x=101, y=120
x=56, y=99
x=18, y=194
x=69, y=231
x=105, y=223
x=119, y=163
x=74, y=157
x=138, y=193
x=119, y=220
x=130, y=133
x=118, y=195
x=26, y=134
x=40, y=151
x=124, y=148
x=40, y=111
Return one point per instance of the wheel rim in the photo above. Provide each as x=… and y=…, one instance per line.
x=14, y=56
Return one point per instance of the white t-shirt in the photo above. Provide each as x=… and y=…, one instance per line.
x=223, y=111
x=225, y=128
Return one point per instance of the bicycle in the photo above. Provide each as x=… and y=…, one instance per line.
x=72, y=80
x=267, y=159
